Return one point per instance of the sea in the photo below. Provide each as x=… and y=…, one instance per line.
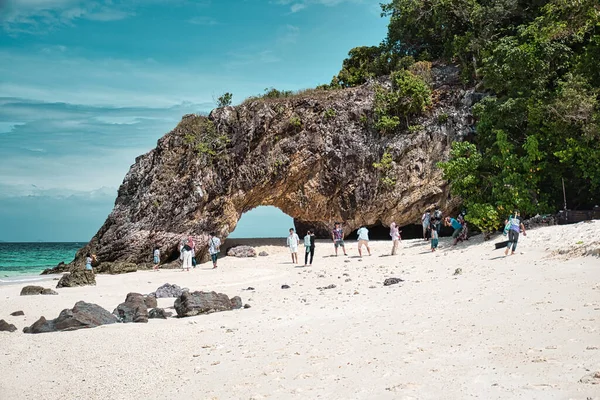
x=23, y=262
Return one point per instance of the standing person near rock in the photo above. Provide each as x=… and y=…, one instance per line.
x=186, y=252
x=395, y=234
x=337, y=235
x=363, y=239
x=309, y=246
x=457, y=226
x=437, y=219
x=426, y=221
x=89, y=259
x=156, y=255
x=434, y=239
x=516, y=226
x=293, y=241
x=214, y=247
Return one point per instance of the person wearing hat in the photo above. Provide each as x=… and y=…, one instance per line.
x=516, y=226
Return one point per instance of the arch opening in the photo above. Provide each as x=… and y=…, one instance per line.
x=262, y=222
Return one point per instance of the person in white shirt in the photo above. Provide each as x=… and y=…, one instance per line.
x=293, y=241
x=395, y=234
x=363, y=239
x=214, y=247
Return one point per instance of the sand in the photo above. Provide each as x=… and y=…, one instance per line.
x=520, y=327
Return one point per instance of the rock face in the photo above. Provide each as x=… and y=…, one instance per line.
x=241, y=251
x=133, y=309
x=168, y=290
x=77, y=277
x=35, y=290
x=195, y=303
x=6, y=327
x=82, y=315
x=311, y=155
x=114, y=268
x=59, y=269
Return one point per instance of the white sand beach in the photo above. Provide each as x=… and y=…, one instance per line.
x=518, y=327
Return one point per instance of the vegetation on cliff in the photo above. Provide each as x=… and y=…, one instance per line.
x=540, y=121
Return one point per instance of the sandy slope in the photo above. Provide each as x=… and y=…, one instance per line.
x=522, y=327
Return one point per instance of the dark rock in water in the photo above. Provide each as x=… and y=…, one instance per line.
x=6, y=327
x=35, y=290
x=17, y=313
x=150, y=301
x=241, y=251
x=159, y=313
x=168, y=290
x=392, y=281
x=194, y=303
x=247, y=305
x=332, y=286
x=263, y=254
x=77, y=277
x=82, y=315
x=133, y=309
x=236, y=302
x=59, y=269
x=285, y=286
x=115, y=268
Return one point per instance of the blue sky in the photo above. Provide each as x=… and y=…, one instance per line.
x=86, y=86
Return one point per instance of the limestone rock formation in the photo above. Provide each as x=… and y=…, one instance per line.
x=194, y=303
x=241, y=251
x=59, y=269
x=114, y=268
x=32, y=290
x=77, y=277
x=168, y=290
x=133, y=309
x=6, y=327
x=82, y=315
x=311, y=155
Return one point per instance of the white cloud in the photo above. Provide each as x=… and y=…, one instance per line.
x=202, y=20
x=297, y=7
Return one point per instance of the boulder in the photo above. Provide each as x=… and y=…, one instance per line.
x=115, y=268
x=133, y=309
x=195, y=303
x=59, y=269
x=159, y=313
x=285, y=286
x=17, y=313
x=150, y=301
x=392, y=281
x=263, y=254
x=6, y=327
x=168, y=290
x=32, y=290
x=77, y=277
x=82, y=315
x=241, y=251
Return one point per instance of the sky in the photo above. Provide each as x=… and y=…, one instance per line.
x=87, y=86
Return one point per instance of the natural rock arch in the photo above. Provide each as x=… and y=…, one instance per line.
x=311, y=155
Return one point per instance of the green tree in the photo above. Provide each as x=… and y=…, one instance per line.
x=224, y=100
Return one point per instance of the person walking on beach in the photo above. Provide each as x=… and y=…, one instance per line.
x=457, y=226
x=437, y=219
x=293, y=241
x=214, y=247
x=434, y=239
x=186, y=253
x=337, y=235
x=156, y=255
x=426, y=221
x=89, y=259
x=516, y=226
x=309, y=246
x=363, y=239
x=395, y=234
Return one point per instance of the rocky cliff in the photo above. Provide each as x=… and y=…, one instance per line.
x=312, y=155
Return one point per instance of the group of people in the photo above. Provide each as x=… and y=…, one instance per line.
x=187, y=252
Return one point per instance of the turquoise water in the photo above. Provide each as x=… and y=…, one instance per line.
x=19, y=259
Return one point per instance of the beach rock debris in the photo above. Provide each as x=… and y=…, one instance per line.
x=133, y=309
x=159, y=313
x=168, y=290
x=82, y=315
x=458, y=271
x=392, y=281
x=592, y=378
x=263, y=254
x=6, y=327
x=195, y=303
x=36, y=290
x=285, y=286
x=249, y=288
x=77, y=277
x=241, y=251
x=17, y=313
x=332, y=286
x=247, y=305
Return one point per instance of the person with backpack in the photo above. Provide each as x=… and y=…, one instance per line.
x=514, y=225
x=214, y=247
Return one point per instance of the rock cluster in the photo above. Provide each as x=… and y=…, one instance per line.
x=241, y=251
x=195, y=303
x=168, y=290
x=82, y=315
x=77, y=277
x=134, y=309
x=32, y=290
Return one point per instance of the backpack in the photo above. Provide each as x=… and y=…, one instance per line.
x=437, y=215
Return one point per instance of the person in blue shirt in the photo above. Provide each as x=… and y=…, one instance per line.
x=457, y=226
x=516, y=226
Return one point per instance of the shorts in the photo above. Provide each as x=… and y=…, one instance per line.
x=361, y=242
x=339, y=243
x=156, y=260
x=456, y=233
x=88, y=267
x=214, y=257
x=293, y=249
